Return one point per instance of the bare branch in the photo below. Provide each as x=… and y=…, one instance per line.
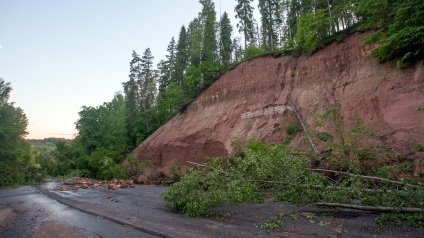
x=370, y=208
x=367, y=177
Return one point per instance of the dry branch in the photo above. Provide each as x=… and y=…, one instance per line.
x=267, y=181
x=367, y=177
x=372, y=209
x=196, y=163
x=303, y=125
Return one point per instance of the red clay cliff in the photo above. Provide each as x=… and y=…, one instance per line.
x=250, y=101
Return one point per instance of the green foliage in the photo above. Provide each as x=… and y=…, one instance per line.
x=133, y=168
x=312, y=31
x=420, y=108
x=225, y=49
x=17, y=165
x=244, y=12
x=344, y=143
x=293, y=129
x=252, y=51
x=43, y=153
x=419, y=148
x=175, y=170
x=414, y=219
x=256, y=175
x=239, y=179
x=101, y=163
x=374, y=14
x=273, y=223
x=271, y=15
x=68, y=157
x=194, y=194
x=323, y=136
x=403, y=40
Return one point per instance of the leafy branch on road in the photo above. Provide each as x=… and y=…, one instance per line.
x=262, y=172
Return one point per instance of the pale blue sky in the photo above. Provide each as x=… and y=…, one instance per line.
x=61, y=55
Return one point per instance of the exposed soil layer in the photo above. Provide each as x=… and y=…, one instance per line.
x=250, y=101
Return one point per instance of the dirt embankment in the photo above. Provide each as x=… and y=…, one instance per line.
x=250, y=101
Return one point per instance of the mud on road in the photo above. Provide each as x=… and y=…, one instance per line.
x=43, y=211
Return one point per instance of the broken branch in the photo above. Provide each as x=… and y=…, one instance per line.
x=367, y=177
x=371, y=209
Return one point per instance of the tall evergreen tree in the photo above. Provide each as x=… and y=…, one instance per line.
x=133, y=104
x=209, y=45
x=237, y=52
x=136, y=75
x=171, y=57
x=293, y=12
x=194, y=39
x=225, y=40
x=164, y=80
x=166, y=68
x=148, y=75
x=244, y=12
x=132, y=109
x=181, y=58
x=270, y=15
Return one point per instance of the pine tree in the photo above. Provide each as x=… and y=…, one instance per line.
x=293, y=13
x=225, y=40
x=133, y=103
x=181, y=58
x=209, y=45
x=270, y=15
x=238, y=52
x=194, y=39
x=136, y=75
x=148, y=75
x=164, y=80
x=244, y=12
x=166, y=68
x=132, y=110
x=171, y=57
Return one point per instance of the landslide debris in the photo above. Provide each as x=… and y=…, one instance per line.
x=88, y=183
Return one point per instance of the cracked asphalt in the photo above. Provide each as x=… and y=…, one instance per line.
x=40, y=211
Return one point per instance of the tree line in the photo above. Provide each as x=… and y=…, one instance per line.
x=206, y=48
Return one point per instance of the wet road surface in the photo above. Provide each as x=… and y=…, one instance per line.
x=41, y=211
x=26, y=212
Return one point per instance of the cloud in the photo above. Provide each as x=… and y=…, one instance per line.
x=1, y=46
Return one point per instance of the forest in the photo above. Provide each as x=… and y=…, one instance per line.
x=205, y=49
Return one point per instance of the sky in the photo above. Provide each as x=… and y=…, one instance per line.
x=61, y=55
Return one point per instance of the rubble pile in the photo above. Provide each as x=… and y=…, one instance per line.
x=88, y=183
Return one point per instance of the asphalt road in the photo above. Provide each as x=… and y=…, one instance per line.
x=26, y=212
x=40, y=211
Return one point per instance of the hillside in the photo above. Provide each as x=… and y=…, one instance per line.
x=250, y=101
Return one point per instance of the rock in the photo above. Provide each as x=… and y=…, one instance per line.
x=112, y=186
x=142, y=179
x=124, y=184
